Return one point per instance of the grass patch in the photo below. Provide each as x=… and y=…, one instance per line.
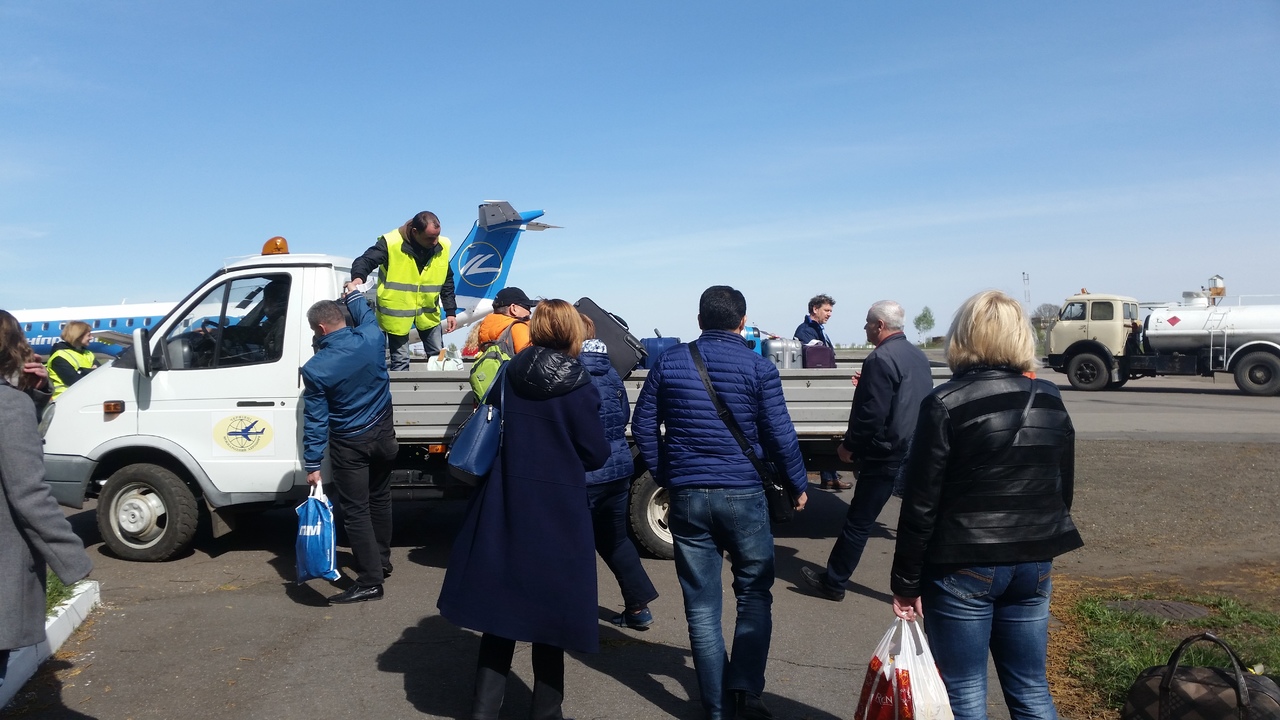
x=1115, y=646
x=55, y=593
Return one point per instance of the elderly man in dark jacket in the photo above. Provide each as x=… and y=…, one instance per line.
x=717, y=499
x=347, y=406
x=894, y=380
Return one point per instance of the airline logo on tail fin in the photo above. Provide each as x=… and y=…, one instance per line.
x=481, y=263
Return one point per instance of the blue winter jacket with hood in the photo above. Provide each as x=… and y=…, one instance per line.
x=697, y=449
x=615, y=411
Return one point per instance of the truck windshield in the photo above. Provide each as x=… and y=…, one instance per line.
x=1072, y=311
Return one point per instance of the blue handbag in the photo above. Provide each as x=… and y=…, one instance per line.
x=475, y=446
x=315, y=546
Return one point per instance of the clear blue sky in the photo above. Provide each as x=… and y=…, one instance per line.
x=914, y=151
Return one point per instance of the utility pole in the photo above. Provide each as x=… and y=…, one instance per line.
x=1026, y=289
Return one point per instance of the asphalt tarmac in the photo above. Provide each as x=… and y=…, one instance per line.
x=224, y=632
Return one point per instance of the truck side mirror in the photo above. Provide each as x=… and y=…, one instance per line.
x=142, y=351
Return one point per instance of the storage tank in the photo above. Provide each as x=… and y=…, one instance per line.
x=1186, y=329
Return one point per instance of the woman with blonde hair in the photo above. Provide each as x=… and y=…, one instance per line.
x=71, y=359
x=989, y=483
x=523, y=566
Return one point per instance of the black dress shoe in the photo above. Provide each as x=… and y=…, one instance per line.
x=818, y=581
x=356, y=594
x=386, y=570
x=749, y=706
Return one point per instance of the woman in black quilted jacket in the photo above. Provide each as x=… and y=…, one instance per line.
x=987, y=507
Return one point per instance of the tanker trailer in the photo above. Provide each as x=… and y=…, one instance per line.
x=1240, y=339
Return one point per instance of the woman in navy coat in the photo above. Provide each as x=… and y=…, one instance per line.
x=523, y=565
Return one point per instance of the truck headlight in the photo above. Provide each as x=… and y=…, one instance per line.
x=47, y=418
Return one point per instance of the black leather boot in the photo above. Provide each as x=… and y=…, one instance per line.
x=491, y=685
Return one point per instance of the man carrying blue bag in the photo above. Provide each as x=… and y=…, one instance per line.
x=347, y=408
x=315, y=547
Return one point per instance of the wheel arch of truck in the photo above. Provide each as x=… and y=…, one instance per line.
x=1256, y=346
x=1092, y=347
x=117, y=453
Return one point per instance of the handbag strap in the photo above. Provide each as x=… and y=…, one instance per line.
x=1022, y=423
x=725, y=416
x=1242, y=688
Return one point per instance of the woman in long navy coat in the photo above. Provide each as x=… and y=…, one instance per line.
x=523, y=565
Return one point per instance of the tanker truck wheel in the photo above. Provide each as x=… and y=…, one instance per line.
x=1087, y=371
x=147, y=513
x=1258, y=374
x=650, y=504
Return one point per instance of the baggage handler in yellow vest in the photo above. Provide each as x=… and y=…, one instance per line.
x=415, y=284
x=71, y=359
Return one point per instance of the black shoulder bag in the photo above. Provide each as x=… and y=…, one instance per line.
x=776, y=492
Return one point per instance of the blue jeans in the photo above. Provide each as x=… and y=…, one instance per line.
x=608, y=504
x=869, y=497
x=704, y=523
x=398, y=347
x=1006, y=608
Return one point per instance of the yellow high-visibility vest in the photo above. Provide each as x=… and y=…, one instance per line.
x=407, y=297
x=79, y=359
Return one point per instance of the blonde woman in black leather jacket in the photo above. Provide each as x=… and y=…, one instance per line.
x=987, y=507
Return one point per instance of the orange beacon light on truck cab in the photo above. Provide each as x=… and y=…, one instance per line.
x=276, y=246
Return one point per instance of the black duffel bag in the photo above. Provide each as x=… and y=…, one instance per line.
x=1170, y=692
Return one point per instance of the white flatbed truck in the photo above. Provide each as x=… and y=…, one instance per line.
x=204, y=416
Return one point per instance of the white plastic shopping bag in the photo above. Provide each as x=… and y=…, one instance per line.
x=902, y=681
x=316, y=540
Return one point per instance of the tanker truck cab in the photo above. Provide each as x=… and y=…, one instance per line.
x=1091, y=338
x=205, y=409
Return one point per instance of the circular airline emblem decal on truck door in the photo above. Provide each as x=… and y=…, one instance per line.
x=242, y=434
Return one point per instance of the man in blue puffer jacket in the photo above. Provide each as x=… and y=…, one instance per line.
x=346, y=402
x=609, y=488
x=717, y=499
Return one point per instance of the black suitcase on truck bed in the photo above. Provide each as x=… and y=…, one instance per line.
x=625, y=351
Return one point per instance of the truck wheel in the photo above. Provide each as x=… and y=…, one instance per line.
x=1087, y=371
x=649, y=507
x=146, y=513
x=1258, y=373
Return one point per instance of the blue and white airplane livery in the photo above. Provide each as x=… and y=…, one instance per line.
x=480, y=264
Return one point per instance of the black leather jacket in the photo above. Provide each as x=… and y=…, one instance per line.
x=984, y=487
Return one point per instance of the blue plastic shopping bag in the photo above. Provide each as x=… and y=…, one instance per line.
x=315, y=548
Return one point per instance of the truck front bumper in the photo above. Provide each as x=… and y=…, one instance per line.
x=68, y=477
x=1057, y=362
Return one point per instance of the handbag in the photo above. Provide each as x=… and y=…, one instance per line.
x=316, y=555
x=1170, y=692
x=475, y=446
x=782, y=506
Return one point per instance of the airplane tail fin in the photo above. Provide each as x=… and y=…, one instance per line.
x=482, y=261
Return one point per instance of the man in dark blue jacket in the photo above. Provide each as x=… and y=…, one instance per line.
x=813, y=330
x=347, y=406
x=894, y=380
x=717, y=499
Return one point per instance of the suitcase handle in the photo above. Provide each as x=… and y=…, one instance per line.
x=1242, y=689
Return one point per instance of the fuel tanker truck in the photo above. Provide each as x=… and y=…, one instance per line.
x=1101, y=343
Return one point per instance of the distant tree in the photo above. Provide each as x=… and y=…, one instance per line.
x=1044, y=315
x=924, y=321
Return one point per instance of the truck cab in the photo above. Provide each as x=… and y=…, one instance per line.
x=1092, y=337
x=205, y=408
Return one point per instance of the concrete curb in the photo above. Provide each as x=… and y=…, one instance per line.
x=68, y=616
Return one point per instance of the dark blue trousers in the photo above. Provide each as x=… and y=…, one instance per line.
x=608, y=503
x=869, y=496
